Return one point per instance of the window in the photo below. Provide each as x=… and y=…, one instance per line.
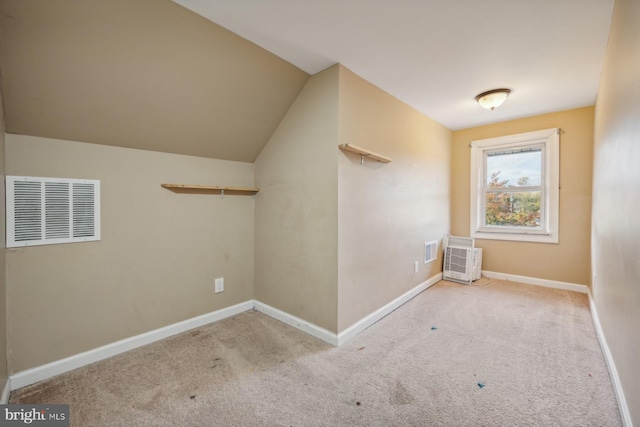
x=45, y=211
x=515, y=187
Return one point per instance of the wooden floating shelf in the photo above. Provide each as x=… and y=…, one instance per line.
x=185, y=188
x=364, y=153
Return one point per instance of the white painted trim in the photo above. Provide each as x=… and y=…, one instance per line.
x=549, y=139
x=40, y=373
x=298, y=323
x=538, y=282
x=44, y=372
x=613, y=372
x=4, y=397
x=372, y=318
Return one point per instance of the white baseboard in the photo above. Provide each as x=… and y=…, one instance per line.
x=613, y=372
x=298, y=323
x=4, y=397
x=39, y=373
x=352, y=330
x=372, y=318
x=538, y=282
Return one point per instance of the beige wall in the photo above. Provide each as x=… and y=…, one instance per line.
x=155, y=265
x=316, y=202
x=145, y=74
x=387, y=211
x=616, y=200
x=567, y=261
x=3, y=288
x=296, y=240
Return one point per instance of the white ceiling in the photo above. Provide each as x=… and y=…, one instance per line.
x=436, y=55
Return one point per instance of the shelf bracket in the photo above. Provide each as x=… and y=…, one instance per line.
x=364, y=153
x=215, y=189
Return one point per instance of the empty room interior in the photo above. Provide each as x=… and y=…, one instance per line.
x=272, y=187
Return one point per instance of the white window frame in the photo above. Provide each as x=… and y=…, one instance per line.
x=549, y=142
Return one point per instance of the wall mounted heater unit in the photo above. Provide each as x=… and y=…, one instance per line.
x=462, y=262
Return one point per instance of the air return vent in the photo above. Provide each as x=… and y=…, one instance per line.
x=46, y=211
x=430, y=251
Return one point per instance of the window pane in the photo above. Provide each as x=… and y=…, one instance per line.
x=514, y=168
x=515, y=209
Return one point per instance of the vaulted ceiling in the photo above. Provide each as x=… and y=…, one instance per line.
x=437, y=55
x=146, y=74
x=154, y=75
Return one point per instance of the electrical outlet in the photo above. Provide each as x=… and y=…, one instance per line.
x=219, y=284
x=415, y=267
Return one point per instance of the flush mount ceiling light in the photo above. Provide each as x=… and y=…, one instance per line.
x=492, y=98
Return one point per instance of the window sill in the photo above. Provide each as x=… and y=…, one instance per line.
x=517, y=237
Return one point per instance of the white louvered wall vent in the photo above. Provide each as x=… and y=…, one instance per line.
x=430, y=251
x=47, y=211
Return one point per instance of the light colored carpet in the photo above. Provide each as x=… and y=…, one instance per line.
x=533, y=349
